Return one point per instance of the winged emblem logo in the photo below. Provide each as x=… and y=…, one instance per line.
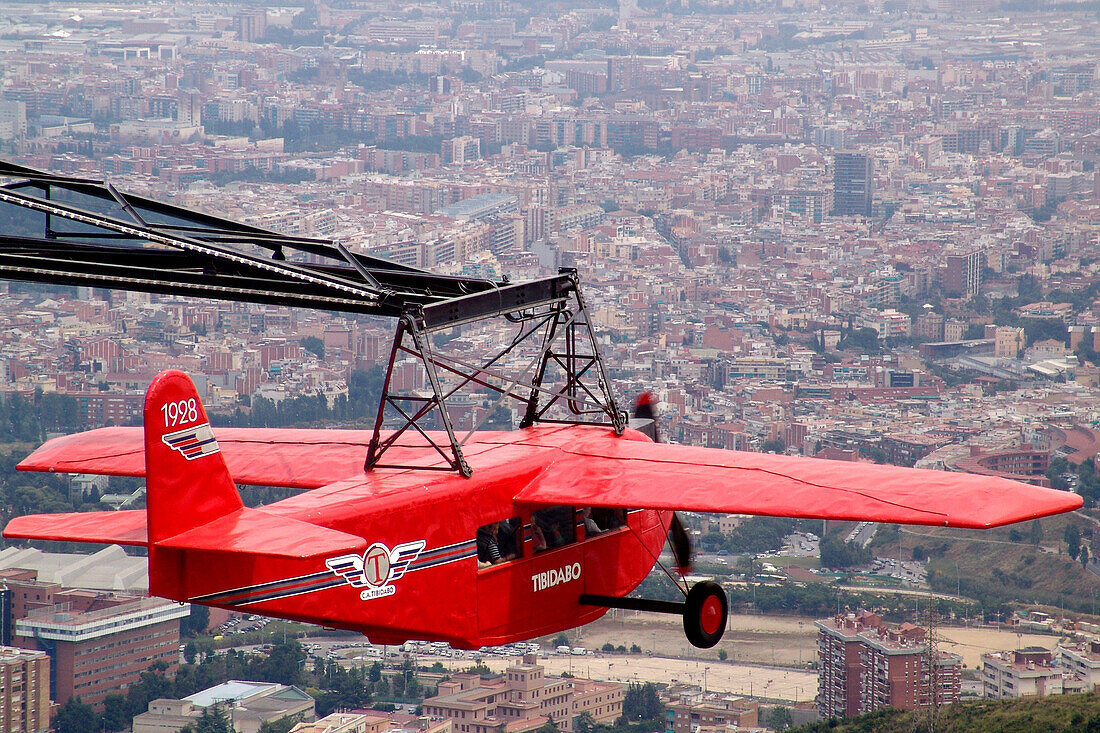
x=193, y=442
x=376, y=568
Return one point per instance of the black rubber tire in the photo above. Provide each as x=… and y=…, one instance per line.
x=709, y=598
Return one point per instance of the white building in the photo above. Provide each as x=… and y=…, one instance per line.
x=1029, y=672
x=1083, y=661
x=13, y=120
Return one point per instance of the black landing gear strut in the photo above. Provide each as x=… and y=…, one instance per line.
x=704, y=611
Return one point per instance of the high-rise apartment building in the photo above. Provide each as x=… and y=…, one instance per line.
x=24, y=691
x=13, y=120
x=853, y=184
x=251, y=24
x=461, y=149
x=962, y=275
x=867, y=666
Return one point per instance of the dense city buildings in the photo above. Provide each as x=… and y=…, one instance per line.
x=746, y=201
x=866, y=665
x=867, y=231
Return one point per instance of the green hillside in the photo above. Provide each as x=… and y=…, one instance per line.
x=1025, y=563
x=1058, y=714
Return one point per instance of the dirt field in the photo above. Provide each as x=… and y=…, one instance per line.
x=774, y=640
x=739, y=679
x=767, y=656
x=971, y=644
x=771, y=640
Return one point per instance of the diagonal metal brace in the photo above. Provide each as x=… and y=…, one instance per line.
x=436, y=404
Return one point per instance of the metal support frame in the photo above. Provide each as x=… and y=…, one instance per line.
x=428, y=406
x=562, y=324
x=575, y=366
x=95, y=235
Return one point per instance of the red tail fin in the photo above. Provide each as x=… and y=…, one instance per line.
x=187, y=482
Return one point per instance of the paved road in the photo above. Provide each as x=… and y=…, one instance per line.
x=901, y=591
x=863, y=533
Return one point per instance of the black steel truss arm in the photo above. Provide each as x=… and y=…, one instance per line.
x=93, y=234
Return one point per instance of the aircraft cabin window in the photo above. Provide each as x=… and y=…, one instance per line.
x=598, y=520
x=499, y=542
x=553, y=526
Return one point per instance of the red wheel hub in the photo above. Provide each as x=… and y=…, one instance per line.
x=710, y=615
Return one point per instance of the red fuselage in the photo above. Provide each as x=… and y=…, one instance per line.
x=438, y=590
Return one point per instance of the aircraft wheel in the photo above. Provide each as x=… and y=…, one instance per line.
x=705, y=614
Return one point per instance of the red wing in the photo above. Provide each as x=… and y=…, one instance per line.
x=250, y=531
x=609, y=471
x=120, y=528
x=299, y=459
x=294, y=458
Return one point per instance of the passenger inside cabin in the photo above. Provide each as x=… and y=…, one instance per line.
x=496, y=542
x=553, y=527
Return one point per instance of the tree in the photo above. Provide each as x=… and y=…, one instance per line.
x=836, y=553
x=197, y=622
x=584, y=723
x=1072, y=536
x=1084, y=557
x=1036, y=532
x=561, y=640
x=642, y=703
x=190, y=651
x=75, y=717
x=1088, y=481
x=280, y=726
x=722, y=654
x=1058, y=466
x=1028, y=289
x=778, y=718
x=314, y=345
x=115, y=715
x=548, y=727
x=411, y=685
x=214, y=719
x=500, y=419
x=775, y=445
x=865, y=340
x=980, y=304
x=284, y=664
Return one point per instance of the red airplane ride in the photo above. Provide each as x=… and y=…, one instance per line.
x=394, y=553
x=493, y=538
